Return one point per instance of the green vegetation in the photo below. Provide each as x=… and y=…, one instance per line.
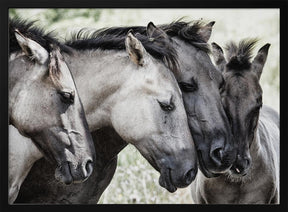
x=57, y=15
x=135, y=181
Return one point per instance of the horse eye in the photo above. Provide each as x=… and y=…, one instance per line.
x=187, y=87
x=67, y=97
x=166, y=107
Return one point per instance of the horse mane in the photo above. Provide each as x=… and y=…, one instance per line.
x=241, y=54
x=114, y=39
x=29, y=30
x=188, y=32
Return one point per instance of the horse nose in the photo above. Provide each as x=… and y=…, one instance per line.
x=87, y=168
x=216, y=155
x=242, y=165
x=189, y=176
x=183, y=179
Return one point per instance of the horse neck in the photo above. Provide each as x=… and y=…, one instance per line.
x=107, y=144
x=22, y=155
x=98, y=75
x=255, y=147
x=262, y=146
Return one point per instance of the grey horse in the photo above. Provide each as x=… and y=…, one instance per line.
x=254, y=177
x=44, y=106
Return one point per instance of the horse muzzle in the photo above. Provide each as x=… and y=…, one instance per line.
x=68, y=173
x=171, y=179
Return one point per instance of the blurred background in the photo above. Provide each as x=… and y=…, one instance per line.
x=135, y=181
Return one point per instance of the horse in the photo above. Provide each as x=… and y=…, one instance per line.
x=136, y=96
x=44, y=108
x=254, y=176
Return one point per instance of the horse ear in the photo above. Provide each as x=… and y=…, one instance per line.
x=32, y=49
x=218, y=56
x=205, y=31
x=260, y=59
x=135, y=49
x=155, y=32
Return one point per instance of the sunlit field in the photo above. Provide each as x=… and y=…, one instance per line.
x=135, y=181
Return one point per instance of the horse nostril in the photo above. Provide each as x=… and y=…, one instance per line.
x=189, y=176
x=217, y=155
x=243, y=161
x=88, y=168
x=247, y=162
x=242, y=166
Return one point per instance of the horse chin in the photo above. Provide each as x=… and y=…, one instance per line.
x=166, y=182
x=235, y=172
x=235, y=177
x=63, y=173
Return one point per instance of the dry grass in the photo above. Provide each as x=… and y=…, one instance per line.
x=135, y=181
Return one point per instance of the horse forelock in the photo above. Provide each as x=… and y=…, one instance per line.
x=239, y=56
x=188, y=32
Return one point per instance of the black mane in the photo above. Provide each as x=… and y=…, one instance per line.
x=239, y=56
x=115, y=40
x=27, y=28
x=186, y=31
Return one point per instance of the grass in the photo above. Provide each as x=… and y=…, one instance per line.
x=135, y=181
